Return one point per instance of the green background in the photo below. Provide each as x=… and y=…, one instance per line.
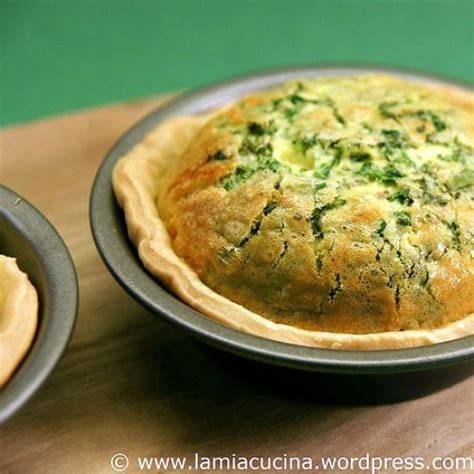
x=58, y=56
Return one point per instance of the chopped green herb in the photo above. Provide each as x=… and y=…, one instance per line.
x=306, y=143
x=388, y=175
x=299, y=86
x=393, y=139
x=268, y=163
x=402, y=196
x=269, y=208
x=319, y=186
x=243, y=172
x=391, y=174
x=219, y=155
x=256, y=129
x=463, y=180
x=254, y=146
x=339, y=153
x=462, y=146
x=384, y=110
x=253, y=231
x=369, y=170
x=457, y=157
x=324, y=170
x=276, y=102
x=318, y=213
x=290, y=113
x=336, y=114
x=381, y=228
x=297, y=99
x=428, y=115
x=403, y=217
x=429, y=198
x=426, y=168
x=259, y=130
x=359, y=156
x=391, y=135
x=455, y=234
x=240, y=175
x=404, y=159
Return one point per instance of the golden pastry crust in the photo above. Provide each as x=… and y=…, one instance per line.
x=18, y=316
x=306, y=205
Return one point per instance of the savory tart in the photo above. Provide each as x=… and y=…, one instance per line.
x=334, y=212
x=18, y=316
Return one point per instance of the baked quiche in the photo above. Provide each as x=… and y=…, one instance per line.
x=18, y=316
x=329, y=212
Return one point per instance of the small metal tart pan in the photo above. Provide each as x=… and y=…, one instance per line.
x=119, y=255
x=28, y=236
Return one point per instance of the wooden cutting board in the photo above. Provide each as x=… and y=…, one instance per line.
x=131, y=384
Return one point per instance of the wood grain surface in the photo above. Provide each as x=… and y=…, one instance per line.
x=130, y=383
